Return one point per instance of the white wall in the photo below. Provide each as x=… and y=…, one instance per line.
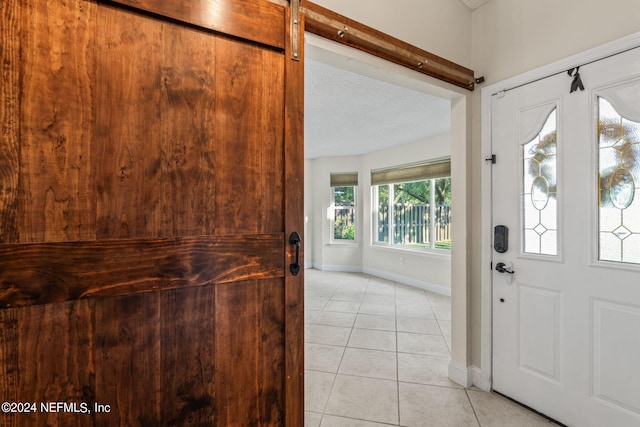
x=442, y=27
x=514, y=36
x=511, y=37
x=327, y=256
x=429, y=271
x=308, y=215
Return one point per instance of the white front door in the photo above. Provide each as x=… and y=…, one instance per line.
x=566, y=184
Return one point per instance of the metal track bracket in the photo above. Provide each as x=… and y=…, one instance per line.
x=295, y=29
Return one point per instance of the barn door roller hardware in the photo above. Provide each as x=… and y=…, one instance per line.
x=333, y=26
x=295, y=29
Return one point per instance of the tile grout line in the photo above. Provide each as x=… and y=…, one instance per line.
x=341, y=288
x=472, y=407
x=354, y=418
x=324, y=408
x=395, y=316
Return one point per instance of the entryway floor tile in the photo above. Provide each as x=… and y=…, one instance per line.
x=377, y=354
x=366, y=399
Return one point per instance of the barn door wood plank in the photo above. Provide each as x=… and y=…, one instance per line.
x=9, y=370
x=126, y=148
x=188, y=114
x=244, y=138
x=294, y=222
x=56, y=201
x=249, y=348
x=270, y=72
x=271, y=360
x=127, y=359
x=10, y=12
x=260, y=21
x=236, y=354
x=45, y=273
x=56, y=363
x=188, y=353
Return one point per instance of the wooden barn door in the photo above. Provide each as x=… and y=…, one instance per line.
x=151, y=168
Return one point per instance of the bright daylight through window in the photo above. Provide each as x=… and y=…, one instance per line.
x=619, y=185
x=343, y=206
x=413, y=213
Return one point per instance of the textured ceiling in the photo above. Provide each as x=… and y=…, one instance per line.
x=349, y=113
x=474, y=4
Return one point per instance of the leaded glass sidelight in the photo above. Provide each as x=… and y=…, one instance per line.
x=539, y=202
x=618, y=185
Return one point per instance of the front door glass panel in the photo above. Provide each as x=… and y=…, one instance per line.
x=540, y=191
x=618, y=185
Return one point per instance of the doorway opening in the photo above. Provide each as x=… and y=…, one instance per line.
x=349, y=311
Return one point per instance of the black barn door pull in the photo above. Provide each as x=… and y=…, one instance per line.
x=295, y=239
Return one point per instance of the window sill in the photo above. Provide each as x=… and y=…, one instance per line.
x=442, y=254
x=344, y=244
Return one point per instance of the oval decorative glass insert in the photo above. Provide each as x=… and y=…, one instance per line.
x=621, y=188
x=540, y=193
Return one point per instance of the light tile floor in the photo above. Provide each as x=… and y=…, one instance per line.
x=377, y=354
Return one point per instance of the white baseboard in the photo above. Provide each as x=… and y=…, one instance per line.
x=465, y=376
x=460, y=375
x=481, y=379
x=421, y=284
x=431, y=287
x=338, y=268
x=468, y=376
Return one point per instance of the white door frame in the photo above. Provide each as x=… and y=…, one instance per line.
x=484, y=380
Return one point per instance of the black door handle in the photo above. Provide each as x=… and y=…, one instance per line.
x=501, y=267
x=295, y=239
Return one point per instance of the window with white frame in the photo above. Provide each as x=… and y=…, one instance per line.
x=343, y=210
x=412, y=206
